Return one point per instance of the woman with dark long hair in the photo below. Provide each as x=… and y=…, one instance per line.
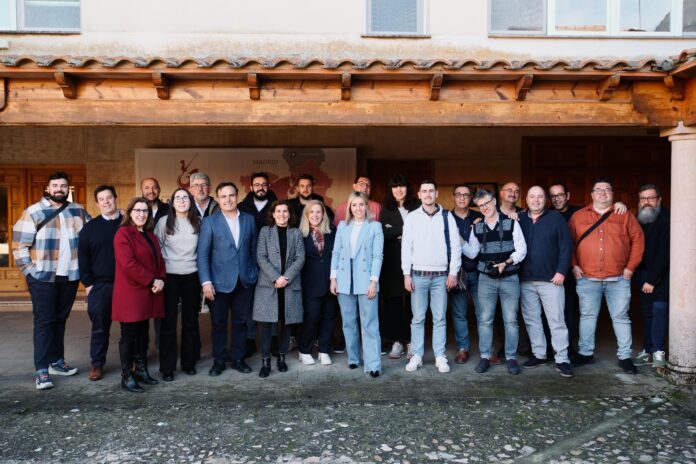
x=395, y=320
x=138, y=296
x=177, y=233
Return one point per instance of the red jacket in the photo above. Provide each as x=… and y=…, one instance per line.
x=136, y=269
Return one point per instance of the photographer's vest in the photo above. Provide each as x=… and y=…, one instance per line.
x=496, y=245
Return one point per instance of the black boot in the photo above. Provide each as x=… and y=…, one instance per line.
x=282, y=367
x=140, y=372
x=265, y=368
x=129, y=383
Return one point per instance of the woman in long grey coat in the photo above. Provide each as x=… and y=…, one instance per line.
x=278, y=294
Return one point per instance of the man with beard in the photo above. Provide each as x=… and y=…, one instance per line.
x=256, y=203
x=653, y=275
x=150, y=190
x=44, y=244
x=305, y=192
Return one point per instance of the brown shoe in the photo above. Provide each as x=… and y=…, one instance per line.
x=462, y=356
x=495, y=360
x=95, y=373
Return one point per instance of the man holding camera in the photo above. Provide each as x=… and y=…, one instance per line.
x=502, y=248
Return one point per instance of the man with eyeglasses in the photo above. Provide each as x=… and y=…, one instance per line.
x=464, y=217
x=609, y=248
x=653, y=275
x=199, y=186
x=509, y=196
x=502, y=250
x=361, y=184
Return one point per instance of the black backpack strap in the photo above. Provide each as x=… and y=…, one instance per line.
x=447, y=242
x=604, y=217
x=50, y=216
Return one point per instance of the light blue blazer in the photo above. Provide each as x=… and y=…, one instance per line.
x=368, y=259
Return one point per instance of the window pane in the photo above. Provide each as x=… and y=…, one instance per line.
x=394, y=16
x=517, y=15
x=6, y=21
x=51, y=14
x=689, y=16
x=585, y=16
x=645, y=15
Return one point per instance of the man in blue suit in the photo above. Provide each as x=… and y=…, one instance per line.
x=228, y=271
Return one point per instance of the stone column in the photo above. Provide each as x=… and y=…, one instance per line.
x=681, y=362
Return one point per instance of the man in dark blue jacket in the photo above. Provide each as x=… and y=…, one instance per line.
x=549, y=251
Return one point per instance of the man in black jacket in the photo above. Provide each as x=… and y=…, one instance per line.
x=653, y=275
x=150, y=190
x=549, y=251
x=305, y=192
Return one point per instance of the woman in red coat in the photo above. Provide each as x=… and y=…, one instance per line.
x=138, y=296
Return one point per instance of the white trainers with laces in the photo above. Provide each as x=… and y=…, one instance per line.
x=441, y=364
x=409, y=351
x=415, y=362
x=306, y=359
x=659, y=359
x=397, y=351
x=643, y=358
x=324, y=359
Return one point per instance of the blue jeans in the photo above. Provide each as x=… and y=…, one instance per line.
x=369, y=330
x=459, y=301
x=436, y=288
x=489, y=289
x=618, y=296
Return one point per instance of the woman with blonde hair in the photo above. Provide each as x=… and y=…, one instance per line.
x=355, y=267
x=320, y=305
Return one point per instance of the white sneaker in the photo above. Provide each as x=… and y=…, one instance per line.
x=306, y=359
x=397, y=351
x=441, y=364
x=415, y=362
x=659, y=359
x=324, y=359
x=409, y=351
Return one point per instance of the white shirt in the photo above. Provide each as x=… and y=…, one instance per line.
x=233, y=224
x=354, y=234
x=201, y=209
x=260, y=204
x=517, y=238
x=404, y=212
x=64, y=252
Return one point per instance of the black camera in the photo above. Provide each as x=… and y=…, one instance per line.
x=490, y=270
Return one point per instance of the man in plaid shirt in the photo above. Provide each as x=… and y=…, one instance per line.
x=44, y=246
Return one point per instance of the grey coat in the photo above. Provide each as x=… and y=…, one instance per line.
x=268, y=257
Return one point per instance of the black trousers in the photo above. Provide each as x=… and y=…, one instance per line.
x=133, y=342
x=99, y=311
x=572, y=311
x=396, y=319
x=320, y=315
x=237, y=304
x=184, y=289
x=51, y=304
x=284, y=332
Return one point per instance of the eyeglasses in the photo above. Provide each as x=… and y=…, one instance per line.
x=140, y=211
x=486, y=204
x=509, y=190
x=199, y=186
x=364, y=184
x=462, y=195
x=647, y=198
x=182, y=199
x=606, y=190
x=558, y=196
x=264, y=185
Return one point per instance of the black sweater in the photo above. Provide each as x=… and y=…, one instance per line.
x=95, y=251
x=549, y=246
x=655, y=264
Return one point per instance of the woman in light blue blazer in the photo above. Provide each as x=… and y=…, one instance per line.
x=355, y=266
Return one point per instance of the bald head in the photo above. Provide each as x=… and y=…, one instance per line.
x=536, y=200
x=509, y=195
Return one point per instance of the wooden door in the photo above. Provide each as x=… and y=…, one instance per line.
x=381, y=170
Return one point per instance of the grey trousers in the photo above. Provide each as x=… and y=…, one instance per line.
x=534, y=296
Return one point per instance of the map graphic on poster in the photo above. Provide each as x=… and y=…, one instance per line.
x=333, y=168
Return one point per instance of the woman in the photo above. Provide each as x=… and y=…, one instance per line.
x=138, y=285
x=278, y=294
x=396, y=310
x=320, y=306
x=177, y=233
x=355, y=266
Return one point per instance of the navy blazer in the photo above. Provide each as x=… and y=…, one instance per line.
x=220, y=260
x=316, y=273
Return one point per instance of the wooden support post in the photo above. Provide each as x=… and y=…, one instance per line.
x=606, y=87
x=676, y=87
x=3, y=93
x=435, y=86
x=345, y=86
x=161, y=83
x=253, y=83
x=67, y=83
x=522, y=86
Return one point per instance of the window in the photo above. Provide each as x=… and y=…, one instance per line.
x=396, y=17
x=593, y=18
x=40, y=15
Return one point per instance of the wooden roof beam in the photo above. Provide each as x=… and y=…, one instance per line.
x=436, y=86
x=67, y=83
x=253, y=83
x=676, y=87
x=345, y=86
x=522, y=86
x=161, y=83
x=606, y=87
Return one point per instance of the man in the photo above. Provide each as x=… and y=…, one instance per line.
x=97, y=268
x=509, y=196
x=150, y=190
x=549, y=250
x=560, y=196
x=199, y=187
x=459, y=298
x=44, y=244
x=608, y=249
x=653, y=275
x=502, y=250
x=430, y=260
x=228, y=271
x=305, y=192
x=360, y=184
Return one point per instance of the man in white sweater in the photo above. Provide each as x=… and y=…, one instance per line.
x=430, y=260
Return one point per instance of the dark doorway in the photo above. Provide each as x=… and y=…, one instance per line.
x=381, y=170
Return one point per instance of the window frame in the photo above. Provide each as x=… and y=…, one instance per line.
x=17, y=18
x=422, y=29
x=544, y=23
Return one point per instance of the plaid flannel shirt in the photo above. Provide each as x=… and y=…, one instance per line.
x=36, y=254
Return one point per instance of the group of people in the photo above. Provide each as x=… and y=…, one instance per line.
x=287, y=268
